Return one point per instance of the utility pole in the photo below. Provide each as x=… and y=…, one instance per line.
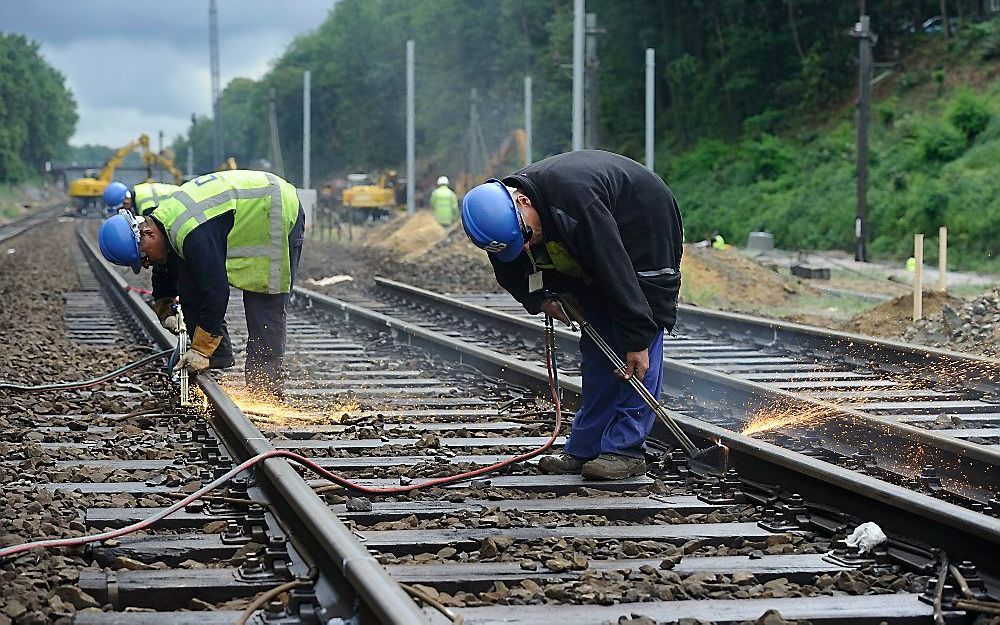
x=527, y=120
x=579, y=10
x=190, y=154
x=306, y=127
x=592, y=140
x=159, y=168
x=862, y=32
x=278, y=164
x=650, y=101
x=475, y=158
x=411, y=196
x=213, y=45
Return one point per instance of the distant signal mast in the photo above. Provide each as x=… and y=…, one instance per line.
x=213, y=46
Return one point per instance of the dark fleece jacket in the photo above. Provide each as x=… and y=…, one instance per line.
x=620, y=223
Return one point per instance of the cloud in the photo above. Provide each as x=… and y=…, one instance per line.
x=143, y=67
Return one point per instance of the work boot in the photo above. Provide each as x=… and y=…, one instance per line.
x=560, y=464
x=613, y=467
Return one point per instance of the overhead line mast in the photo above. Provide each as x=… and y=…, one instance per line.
x=213, y=45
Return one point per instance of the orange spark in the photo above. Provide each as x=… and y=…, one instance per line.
x=265, y=409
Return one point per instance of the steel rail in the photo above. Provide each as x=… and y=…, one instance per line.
x=21, y=225
x=848, y=346
x=701, y=379
x=979, y=532
x=382, y=600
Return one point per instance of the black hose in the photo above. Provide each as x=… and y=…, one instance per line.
x=69, y=386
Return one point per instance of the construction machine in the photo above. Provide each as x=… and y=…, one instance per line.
x=516, y=139
x=228, y=165
x=87, y=192
x=369, y=197
x=165, y=160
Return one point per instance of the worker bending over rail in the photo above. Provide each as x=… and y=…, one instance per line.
x=606, y=230
x=239, y=228
x=140, y=199
x=143, y=199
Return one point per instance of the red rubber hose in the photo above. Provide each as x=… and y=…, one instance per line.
x=315, y=468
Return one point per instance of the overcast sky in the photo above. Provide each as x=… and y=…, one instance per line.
x=139, y=66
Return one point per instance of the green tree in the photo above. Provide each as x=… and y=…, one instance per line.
x=37, y=111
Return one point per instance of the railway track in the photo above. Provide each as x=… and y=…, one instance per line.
x=388, y=398
x=730, y=374
x=15, y=227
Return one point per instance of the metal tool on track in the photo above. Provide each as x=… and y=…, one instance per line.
x=183, y=377
x=711, y=460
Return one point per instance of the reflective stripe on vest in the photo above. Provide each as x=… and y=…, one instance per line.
x=148, y=195
x=248, y=276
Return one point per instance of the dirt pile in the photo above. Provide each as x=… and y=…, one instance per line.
x=971, y=325
x=407, y=237
x=414, y=249
x=419, y=251
x=730, y=281
x=891, y=318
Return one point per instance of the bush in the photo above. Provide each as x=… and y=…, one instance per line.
x=768, y=157
x=765, y=122
x=969, y=113
x=940, y=143
x=886, y=111
x=909, y=80
x=708, y=156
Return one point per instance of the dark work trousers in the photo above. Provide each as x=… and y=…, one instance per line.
x=612, y=417
x=222, y=357
x=267, y=323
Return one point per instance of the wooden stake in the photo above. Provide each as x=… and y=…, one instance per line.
x=918, y=276
x=942, y=282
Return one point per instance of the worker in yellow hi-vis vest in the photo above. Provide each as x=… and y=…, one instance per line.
x=444, y=204
x=140, y=199
x=239, y=228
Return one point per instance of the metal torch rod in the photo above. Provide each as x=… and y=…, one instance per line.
x=182, y=375
x=657, y=407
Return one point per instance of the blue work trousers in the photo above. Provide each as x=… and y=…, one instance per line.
x=612, y=418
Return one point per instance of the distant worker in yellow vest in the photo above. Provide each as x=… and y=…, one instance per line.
x=239, y=228
x=140, y=199
x=444, y=204
x=718, y=242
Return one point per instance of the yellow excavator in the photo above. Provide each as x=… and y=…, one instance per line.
x=88, y=191
x=370, y=197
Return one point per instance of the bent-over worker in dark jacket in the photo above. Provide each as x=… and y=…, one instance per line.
x=239, y=228
x=607, y=231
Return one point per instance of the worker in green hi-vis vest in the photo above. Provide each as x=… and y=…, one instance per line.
x=231, y=228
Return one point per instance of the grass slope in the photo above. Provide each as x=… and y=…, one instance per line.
x=935, y=160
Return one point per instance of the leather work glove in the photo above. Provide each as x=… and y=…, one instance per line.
x=170, y=324
x=195, y=361
x=203, y=345
x=164, y=309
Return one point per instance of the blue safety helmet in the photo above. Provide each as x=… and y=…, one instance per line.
x=114, y=195
x=490, y=219
x=119, y=241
